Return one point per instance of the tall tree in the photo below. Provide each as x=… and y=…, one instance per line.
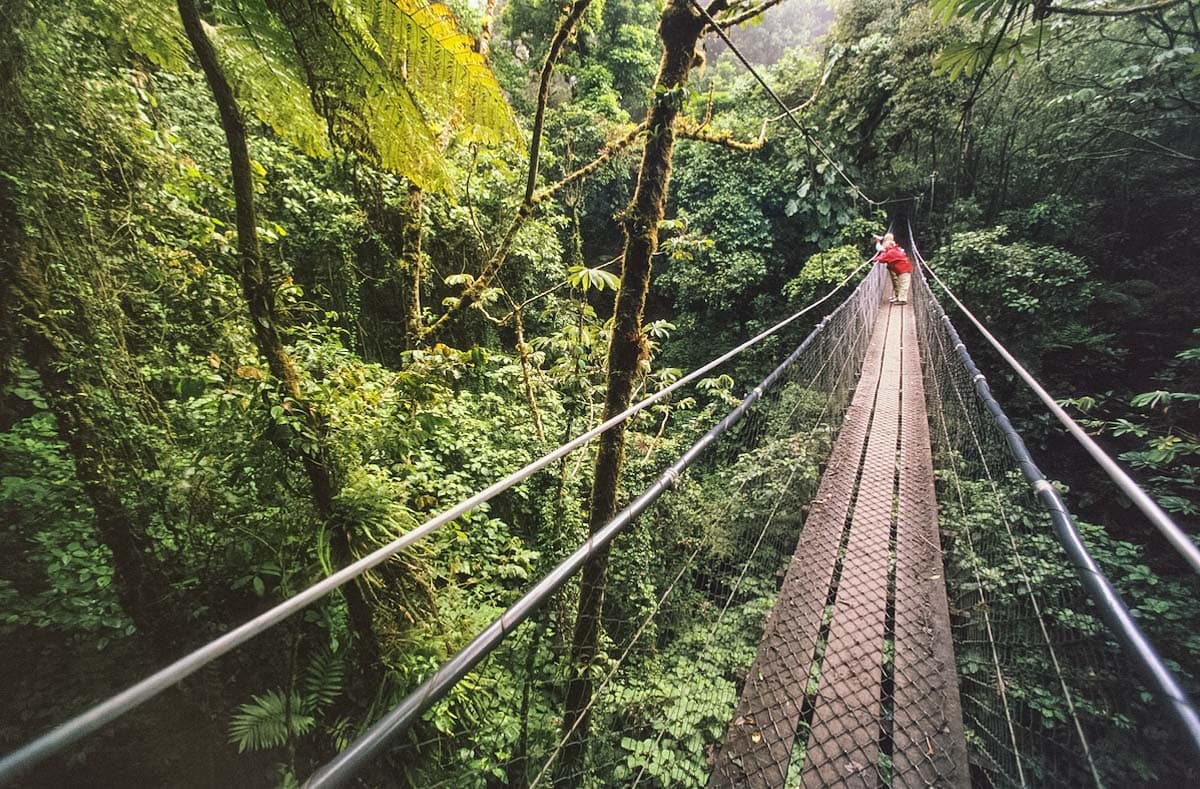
x=680, y=28
x=258, y=288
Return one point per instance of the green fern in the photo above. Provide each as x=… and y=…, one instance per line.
x=323, y=680
x=270, y=721
x=150, y=28
x=445, y=71
x=261, y=65
x=395, y=78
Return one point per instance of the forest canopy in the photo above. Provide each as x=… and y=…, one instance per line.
x=283, y=279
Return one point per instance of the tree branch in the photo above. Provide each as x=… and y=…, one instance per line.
x=606, y=155
x=690, y=130
x=485, y=29
x=747, y=15
x=1168, y=151
x=553, y=289
x=1143, y=9
x=565, y=25
x=826, y=69
x=498, y=257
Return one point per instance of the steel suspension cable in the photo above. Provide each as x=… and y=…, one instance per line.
x=99, y=715
x=372, y=742
x=716, y=26
x=1111, y=605
x=1178, y=539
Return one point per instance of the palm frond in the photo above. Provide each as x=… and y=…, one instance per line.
x=966, y=59
x=323, y=679
x=945, y=10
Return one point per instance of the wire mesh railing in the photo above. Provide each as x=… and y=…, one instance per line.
x=700, y=560
x=689, y=585
x=1048, y=696
x=392, y=561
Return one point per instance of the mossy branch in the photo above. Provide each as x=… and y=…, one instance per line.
x=690, y=130
x=603, y=158
x=1106, y=12
x=566, y=25
x=746, y=15
x=492, y=267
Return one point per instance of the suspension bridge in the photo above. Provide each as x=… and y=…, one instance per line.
x=872, y=584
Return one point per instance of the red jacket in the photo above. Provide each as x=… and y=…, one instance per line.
x=897, y=261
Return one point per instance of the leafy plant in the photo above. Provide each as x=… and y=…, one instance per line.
x=388, y=77
x=271, y=720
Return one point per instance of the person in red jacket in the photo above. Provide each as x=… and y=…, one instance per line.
x=899, y=266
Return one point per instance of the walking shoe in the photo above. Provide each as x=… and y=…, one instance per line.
x=902, y=302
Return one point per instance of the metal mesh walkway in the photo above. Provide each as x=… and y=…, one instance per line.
x=853, y=683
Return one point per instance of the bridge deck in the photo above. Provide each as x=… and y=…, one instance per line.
x=854, y=681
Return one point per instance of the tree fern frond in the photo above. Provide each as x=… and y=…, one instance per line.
x=421, y=40
x=268, y=722
x=368, y=108
x=394, y=77
x=260, y=62
x=355, y=19
x=150, y=28
x=401, y=137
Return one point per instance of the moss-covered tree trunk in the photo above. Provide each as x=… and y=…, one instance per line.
x=33, y=324
x=103, y=464
x=680, y=28
x=483, y=43
x=395, y=268
x=10, y=227
x=410, y=238
x=259, y=292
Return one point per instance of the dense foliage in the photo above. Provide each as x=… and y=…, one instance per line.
x=193, y=428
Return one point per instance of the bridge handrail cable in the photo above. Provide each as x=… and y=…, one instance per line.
x=1178, y=539
x=99, y=715
x=372, y=742
x=1112, y=607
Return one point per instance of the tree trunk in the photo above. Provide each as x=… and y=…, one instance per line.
x=259, y=293
x=485, y=31
x=410, y=239
x=393, y=265
x=142, y=584
x=28, y=322
x=679, y=28
x=11, y=57
x=566, y=24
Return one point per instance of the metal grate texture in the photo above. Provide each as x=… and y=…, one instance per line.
x=853, y=684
